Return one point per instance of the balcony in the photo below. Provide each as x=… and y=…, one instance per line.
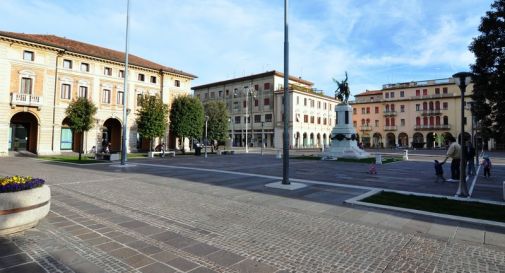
x=389, y=113
x=390, y=128
x=26, y=100
x=365, y=128
x=431, y=112
x=432, y=127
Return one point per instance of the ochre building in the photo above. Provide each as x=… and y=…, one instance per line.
x=41, y=74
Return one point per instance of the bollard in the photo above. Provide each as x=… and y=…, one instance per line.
x=278, y=155
x=406, y=155
x=378, y=158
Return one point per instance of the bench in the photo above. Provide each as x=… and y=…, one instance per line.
x=226, y=152
x=107, y=156
x=152, y=154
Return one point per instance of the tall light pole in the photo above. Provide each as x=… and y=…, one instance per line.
x=206, y=141
x=125, y=91
x=232, y=139
x=285, y=135
x=462, y=79
x=246, y=119
x=262, y=136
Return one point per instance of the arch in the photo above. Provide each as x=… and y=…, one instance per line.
x=311, y=141
x=297, y=140
x=439, y=140
x=23, y=132
x=431, y=106
x=418, y=140
x=430, y=140
x=305, y=140
x=324, y=140
x=425, y=106
x=377, y=140
x=390, y=140
x=437, y=120
x=446, y=120
x=111, y=133
x=318, y=140
x=403, y=140
x=432, y=120
x=437, y=105
x=69, y=141
x=425, y=121
x=418, y=121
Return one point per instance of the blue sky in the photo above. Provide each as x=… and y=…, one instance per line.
x=376, y=41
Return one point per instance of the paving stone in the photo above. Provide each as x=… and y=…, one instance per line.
x=133, y=224
x=156, y=268
x=97, y=241
x=150, y=250
x=181, y=242
x=182, y=264
x=25, y=268
x=87, y=236
x=165, y=236
x=469, y=234
x=250, y=266
x=137, y=244
x=494, y=238
x=109, y=246
x=15, y=259
x=225, y=258
x=201, y=249
x=123, y=253
x=443, y=232
x=7, y=248
x=139, y=260
x=80, y=231
x=86, y=267
x=202, y=270
x=124, y=239
x=148, y=230
x=164, y=256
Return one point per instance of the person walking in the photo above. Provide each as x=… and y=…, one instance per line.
x=470, y=158
x=439, y=171
x=486, y=163
x=454, y=152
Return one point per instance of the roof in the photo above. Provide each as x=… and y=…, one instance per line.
x=369, y=93
x=91, y=50
x=251, y=77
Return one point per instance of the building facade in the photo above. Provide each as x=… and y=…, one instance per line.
x=41, y=74
x=255, y=105
x=414, y=114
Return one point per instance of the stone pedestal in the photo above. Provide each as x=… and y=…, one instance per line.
x=343, y=137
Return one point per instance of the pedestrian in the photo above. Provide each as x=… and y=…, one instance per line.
x=372, y=169
x=439, y=171
x=470, y=158
x=486, y=164
x=454, y=152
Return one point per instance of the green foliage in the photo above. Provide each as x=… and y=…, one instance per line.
x=217, y=126
x=186, y=117
x=489, y=72
x=81, y=114
x=152, y=117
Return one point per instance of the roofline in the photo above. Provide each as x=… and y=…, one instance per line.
x=250, y=77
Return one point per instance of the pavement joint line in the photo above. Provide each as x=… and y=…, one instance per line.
x=71, y=163
x=86, y=181
x=355, y=201
x=475, y=177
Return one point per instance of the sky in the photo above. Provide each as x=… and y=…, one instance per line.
x=375, y=41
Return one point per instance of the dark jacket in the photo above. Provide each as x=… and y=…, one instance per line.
x=469, y=152
x=438, y=168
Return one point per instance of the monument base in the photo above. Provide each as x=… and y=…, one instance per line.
x=344, y=149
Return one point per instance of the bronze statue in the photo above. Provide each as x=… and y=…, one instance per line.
x=342, y=93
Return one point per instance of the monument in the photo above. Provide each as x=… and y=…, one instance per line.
x=343, y=136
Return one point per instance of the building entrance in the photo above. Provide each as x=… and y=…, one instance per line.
x=23, y=132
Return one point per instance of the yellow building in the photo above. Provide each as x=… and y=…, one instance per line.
x=41, y=74
x=414, y=114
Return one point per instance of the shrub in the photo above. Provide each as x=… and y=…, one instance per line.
x=19, y=183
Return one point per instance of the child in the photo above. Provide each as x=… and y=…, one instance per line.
x=372, y=169
x=486, y=163
x=439, y=171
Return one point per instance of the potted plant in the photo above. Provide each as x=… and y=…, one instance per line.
x=23, y=202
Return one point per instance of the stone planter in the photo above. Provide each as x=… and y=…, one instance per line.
x=23, y=209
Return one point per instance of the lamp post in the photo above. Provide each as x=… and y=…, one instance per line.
x=247, y=91
x=206, y=141
x=285, y=134
x=231, y=132
x=262, y=137
x=462, y=79
x=125, y=93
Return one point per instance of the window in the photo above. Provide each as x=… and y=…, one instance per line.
x=256, y=102
x=121, y=73
x=418, y=107
x=227, y=92
x=425, y=92
x=392, y=94
x=83, y=92
x=28, y=55
x=153, y=79
x=266, y=101
x=311, y=103
x=237, y=120
x=376, y=109
x=446, y=120
x=306, y=118
x=354, y=111
x=268, y=118
x=354, y=123
x=324, y=121
x=368, y=110
x=220, y=93
x=177, y=83
x=235, y=106
x=324, y=105
x=318, y=105
x=65, y=91
x=120, y=95
x=362, y=110
x=212, y=95
x=304, y=101
x=266, y=86
x=418, y=121
x=244, y=104
x=437, y=90
x=257, y=118
x=67, y=64
x=297, y=100
x=206, y=96
x=437, y=120
x=437, y=105
x=84, y=67
x=256, y=87
x=418, y=93
x=376, y=123
x=445, y=106
x=139, y=99
x=311, y=119
x=402, y=94
x=402, y=108
x=141, y=77
x=106, y=96
x=371, y=98
x=425, y=106
x=444, y=90
x=318, y=120
x=107, y=71
x=392, y=121
x=402, y=122
x=66, y=139
x=387, y=95
x=362, y=122
x=26, y=85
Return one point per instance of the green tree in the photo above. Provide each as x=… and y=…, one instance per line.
x=152, y=118
x=81, y=114
x=186, y=118
x=217, y=125
x=489, y=72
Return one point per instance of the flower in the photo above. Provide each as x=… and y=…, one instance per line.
x=19, y=183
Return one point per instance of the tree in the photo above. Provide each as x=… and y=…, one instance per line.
x=186, y=118
x=152, y=118
x=81, y=114
x=489, y=72
x=217, y=126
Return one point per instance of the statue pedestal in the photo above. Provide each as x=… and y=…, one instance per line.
x=343, y=137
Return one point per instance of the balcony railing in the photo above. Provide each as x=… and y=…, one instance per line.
x=432, y=127
x=389, y=113
x=390, y=128
x=365, y=128
x=26, y=100
x=432, y=112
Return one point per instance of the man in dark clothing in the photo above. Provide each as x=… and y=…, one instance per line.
x=439, y=171
x=470, y=158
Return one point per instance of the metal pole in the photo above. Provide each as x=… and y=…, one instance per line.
x=462, y=176
x=206, y=141
x=246, y=119
x=285, y=161
x=125, y=89
x=262, y=137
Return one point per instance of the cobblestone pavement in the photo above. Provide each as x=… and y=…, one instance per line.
x=165, y=215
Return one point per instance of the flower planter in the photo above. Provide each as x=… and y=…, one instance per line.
x=22, y=210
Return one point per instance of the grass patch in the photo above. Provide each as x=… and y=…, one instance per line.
x=369, y=160
x=71, y=159
x=440, y=205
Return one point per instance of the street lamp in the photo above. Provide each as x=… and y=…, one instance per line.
x=247, y=91
x=231, y=132
x=206, y=141
x=462, y=79
x=262, y=137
